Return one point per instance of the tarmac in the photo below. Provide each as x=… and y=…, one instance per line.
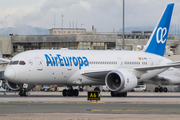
x=56, y=97
x=132, y=97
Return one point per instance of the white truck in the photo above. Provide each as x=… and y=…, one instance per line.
x=1, y=88
x=140, y=88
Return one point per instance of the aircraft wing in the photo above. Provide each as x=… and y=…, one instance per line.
x=96, y=74
x=5, y=60
x=148, y=72
x=175, y=62
x=146, y=68
x=2, y=63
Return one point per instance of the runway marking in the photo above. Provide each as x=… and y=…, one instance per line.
x=97, y=102
x=127, y=110
x=130, y=110
x=98, y=110
x=7, y=105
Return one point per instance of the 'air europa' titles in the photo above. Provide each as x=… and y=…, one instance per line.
x=66, y=61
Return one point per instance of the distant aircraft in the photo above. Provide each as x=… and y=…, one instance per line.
x=120, y=71
x=168, y=77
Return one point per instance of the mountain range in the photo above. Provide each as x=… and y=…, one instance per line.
x=24, y=30
x=28, y=30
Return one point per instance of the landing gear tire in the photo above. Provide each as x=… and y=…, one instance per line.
x=165, y=89
x=64, y=92
x=76, y=92
x=70, y=92
x=113, y=94
x=118, y=95
x=156, y=89
x=21, y=93
x=124, y=94
x=161, y=89
x=25, y=93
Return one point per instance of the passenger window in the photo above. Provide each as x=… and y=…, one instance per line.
x=14, y=62
x=22, y=63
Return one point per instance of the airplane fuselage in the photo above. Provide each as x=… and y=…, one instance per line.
x=67, y=66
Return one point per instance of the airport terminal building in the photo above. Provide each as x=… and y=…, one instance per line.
x=80, y=39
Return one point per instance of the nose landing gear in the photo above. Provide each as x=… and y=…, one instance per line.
x=23, y=92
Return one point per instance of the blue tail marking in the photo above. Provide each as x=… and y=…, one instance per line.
x=158, y=39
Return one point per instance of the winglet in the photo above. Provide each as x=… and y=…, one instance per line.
x=158, y=39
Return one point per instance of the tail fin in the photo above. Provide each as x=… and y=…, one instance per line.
x=157, y=41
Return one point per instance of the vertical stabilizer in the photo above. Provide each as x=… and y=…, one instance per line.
x=158, y=39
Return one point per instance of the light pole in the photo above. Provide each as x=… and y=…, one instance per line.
x=123, y=26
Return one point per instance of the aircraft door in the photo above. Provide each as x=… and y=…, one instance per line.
x=120, y=62
x=150, y=62
x=38, y=63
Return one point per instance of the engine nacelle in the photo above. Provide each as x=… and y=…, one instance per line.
x=18, y=87
x=120, y=81
x=13, y=86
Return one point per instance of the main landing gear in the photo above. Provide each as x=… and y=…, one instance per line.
x=70, y=92
x=161, y=89
x=113, y=94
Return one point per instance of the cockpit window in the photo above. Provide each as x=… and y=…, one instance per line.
x=22, y=63
x=14, y=62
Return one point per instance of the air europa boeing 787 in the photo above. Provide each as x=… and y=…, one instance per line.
x=120, y=71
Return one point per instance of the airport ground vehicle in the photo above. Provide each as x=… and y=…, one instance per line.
x=1, y=87
x=105, y=89
x=140, y=88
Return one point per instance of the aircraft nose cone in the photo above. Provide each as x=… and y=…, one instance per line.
x=9, y=73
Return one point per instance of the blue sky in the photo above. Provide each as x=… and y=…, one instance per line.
x=105, y=15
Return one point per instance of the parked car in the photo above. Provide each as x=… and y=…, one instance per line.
x=140, y=88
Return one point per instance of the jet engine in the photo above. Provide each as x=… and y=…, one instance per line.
x=120, y=81
x=17, y=87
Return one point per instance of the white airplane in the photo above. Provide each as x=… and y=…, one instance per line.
x=169, y=77
x=120, y=71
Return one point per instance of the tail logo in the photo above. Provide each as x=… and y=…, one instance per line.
x=163, y=32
